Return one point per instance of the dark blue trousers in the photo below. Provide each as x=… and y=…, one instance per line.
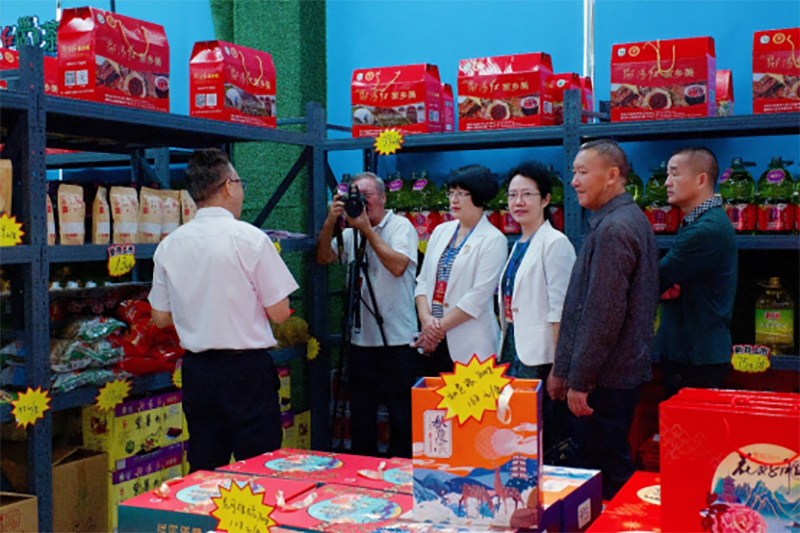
x=230, y=399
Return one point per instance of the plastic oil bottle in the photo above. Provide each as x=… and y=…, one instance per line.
x=737, y=188
x=556, y=207
x=775, y=318
x=425, y=215
x=635, y=187
x=776, y=211
x=663, y=217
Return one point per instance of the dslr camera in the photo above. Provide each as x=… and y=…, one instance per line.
x=354, y=202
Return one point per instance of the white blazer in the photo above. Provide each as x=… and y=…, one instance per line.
x=539, y=290
x=473, y=280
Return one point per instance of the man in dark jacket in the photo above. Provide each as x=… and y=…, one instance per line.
x=604, y=347
x=697, y=278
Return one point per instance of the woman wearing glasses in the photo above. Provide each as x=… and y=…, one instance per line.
x=533, y=283
x=458, y=278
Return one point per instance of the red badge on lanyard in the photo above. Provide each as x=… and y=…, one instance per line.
x=507, y=306
x=438, y=292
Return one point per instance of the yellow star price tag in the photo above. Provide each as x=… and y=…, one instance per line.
x=749, y=358
x=472, y=389
x=113, y=394
x=10, y=231
x=30, y=406
x=177, y=374
x=121, y=259
x=239, y=510
x=388, y=142
x=312, y=350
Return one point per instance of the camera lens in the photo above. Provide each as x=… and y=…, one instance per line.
x=354, y=203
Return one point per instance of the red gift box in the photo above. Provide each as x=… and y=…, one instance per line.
x=345, y=509
x=233, y=83
x=561, y=83
x=614, y=523
x=359, y=471
x=9, y=60
x=505, y=92
x=639, y=498
x=186, y=502
x=448, y=109
x=724, y=93
x=113, y=59
x=588, y=96
x=406, y=98
x=727, y=463
x=663, y=79
x=776, y=71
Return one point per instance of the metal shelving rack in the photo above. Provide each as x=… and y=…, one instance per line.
x=114, y=135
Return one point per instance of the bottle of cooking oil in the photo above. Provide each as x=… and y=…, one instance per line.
x=775, y=318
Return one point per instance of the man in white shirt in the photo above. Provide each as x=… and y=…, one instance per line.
x=378, y=371
x=218, y=280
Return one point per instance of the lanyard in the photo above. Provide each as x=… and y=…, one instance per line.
x=450, y=248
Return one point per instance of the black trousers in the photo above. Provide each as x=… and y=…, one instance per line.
x=602, y=437
x=679, y=375
x=230, y=399
x=381, y=375
x=436, y=363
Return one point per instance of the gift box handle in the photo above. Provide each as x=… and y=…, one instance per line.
x=114, y=23
x=503, y=405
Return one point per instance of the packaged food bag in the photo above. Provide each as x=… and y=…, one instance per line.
x=110, y=58
x=51, y=222
x=71, y=214
x=188, y=207
x=150, y=214
x=101, y=218
x=479, y=473
x=724, y=93
x=729, y=464
x=170, y=211
x=6, y=184
x=233, y=83
x=776, y=71
x=125, y=212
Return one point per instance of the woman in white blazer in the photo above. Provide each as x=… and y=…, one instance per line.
x=458, y=278
x=533, y=285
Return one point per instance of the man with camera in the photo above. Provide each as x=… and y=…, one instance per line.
x=381, y=362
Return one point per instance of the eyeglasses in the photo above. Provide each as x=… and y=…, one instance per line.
x=243, y=182
x=526, y=195
x=456, y=194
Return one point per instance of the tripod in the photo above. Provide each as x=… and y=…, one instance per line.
x=357, y=272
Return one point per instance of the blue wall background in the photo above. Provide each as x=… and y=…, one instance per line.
x=383, y=33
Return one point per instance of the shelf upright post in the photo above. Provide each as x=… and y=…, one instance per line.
x=573, y=212
x=161, y=165
x=33, y=174
x=319, y=368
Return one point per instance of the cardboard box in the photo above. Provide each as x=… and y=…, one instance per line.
x=579, y=491
x=776, y=71
x=346, y=509
x=561, y=83
x=505, y=92
x=187, y=503
x=724, y=93
x=456, y=466
x=340, y=468
x=448, y=109
x=406, y=98
x=233, y=83
x=110, y=58
x=19, y=513
x=140, y=474
x=80, y=485
x=663, y=79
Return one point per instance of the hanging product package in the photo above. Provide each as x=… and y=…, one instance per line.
x=51, y=222
x=730, y=463
x=110, y=58
x=188, y=207
x=170, y=211
x=71, y=214
x=233, y=83
x=481, y=473
x=150, y=214
x=656, y=80
x=6, y=179
x=101, y=218
x=125, y=212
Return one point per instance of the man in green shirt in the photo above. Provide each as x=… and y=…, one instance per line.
x=697, y=278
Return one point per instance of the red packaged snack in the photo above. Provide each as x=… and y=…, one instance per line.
x=406, y=98
x=9, y=60
x=588, y=96
x=663, y=79
x=113, y=59
x=132, y=311
x=561, y=83
x=448, y=109
x=505, y=92
x=233, y=83
x=776, y=71
x=724, y=93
